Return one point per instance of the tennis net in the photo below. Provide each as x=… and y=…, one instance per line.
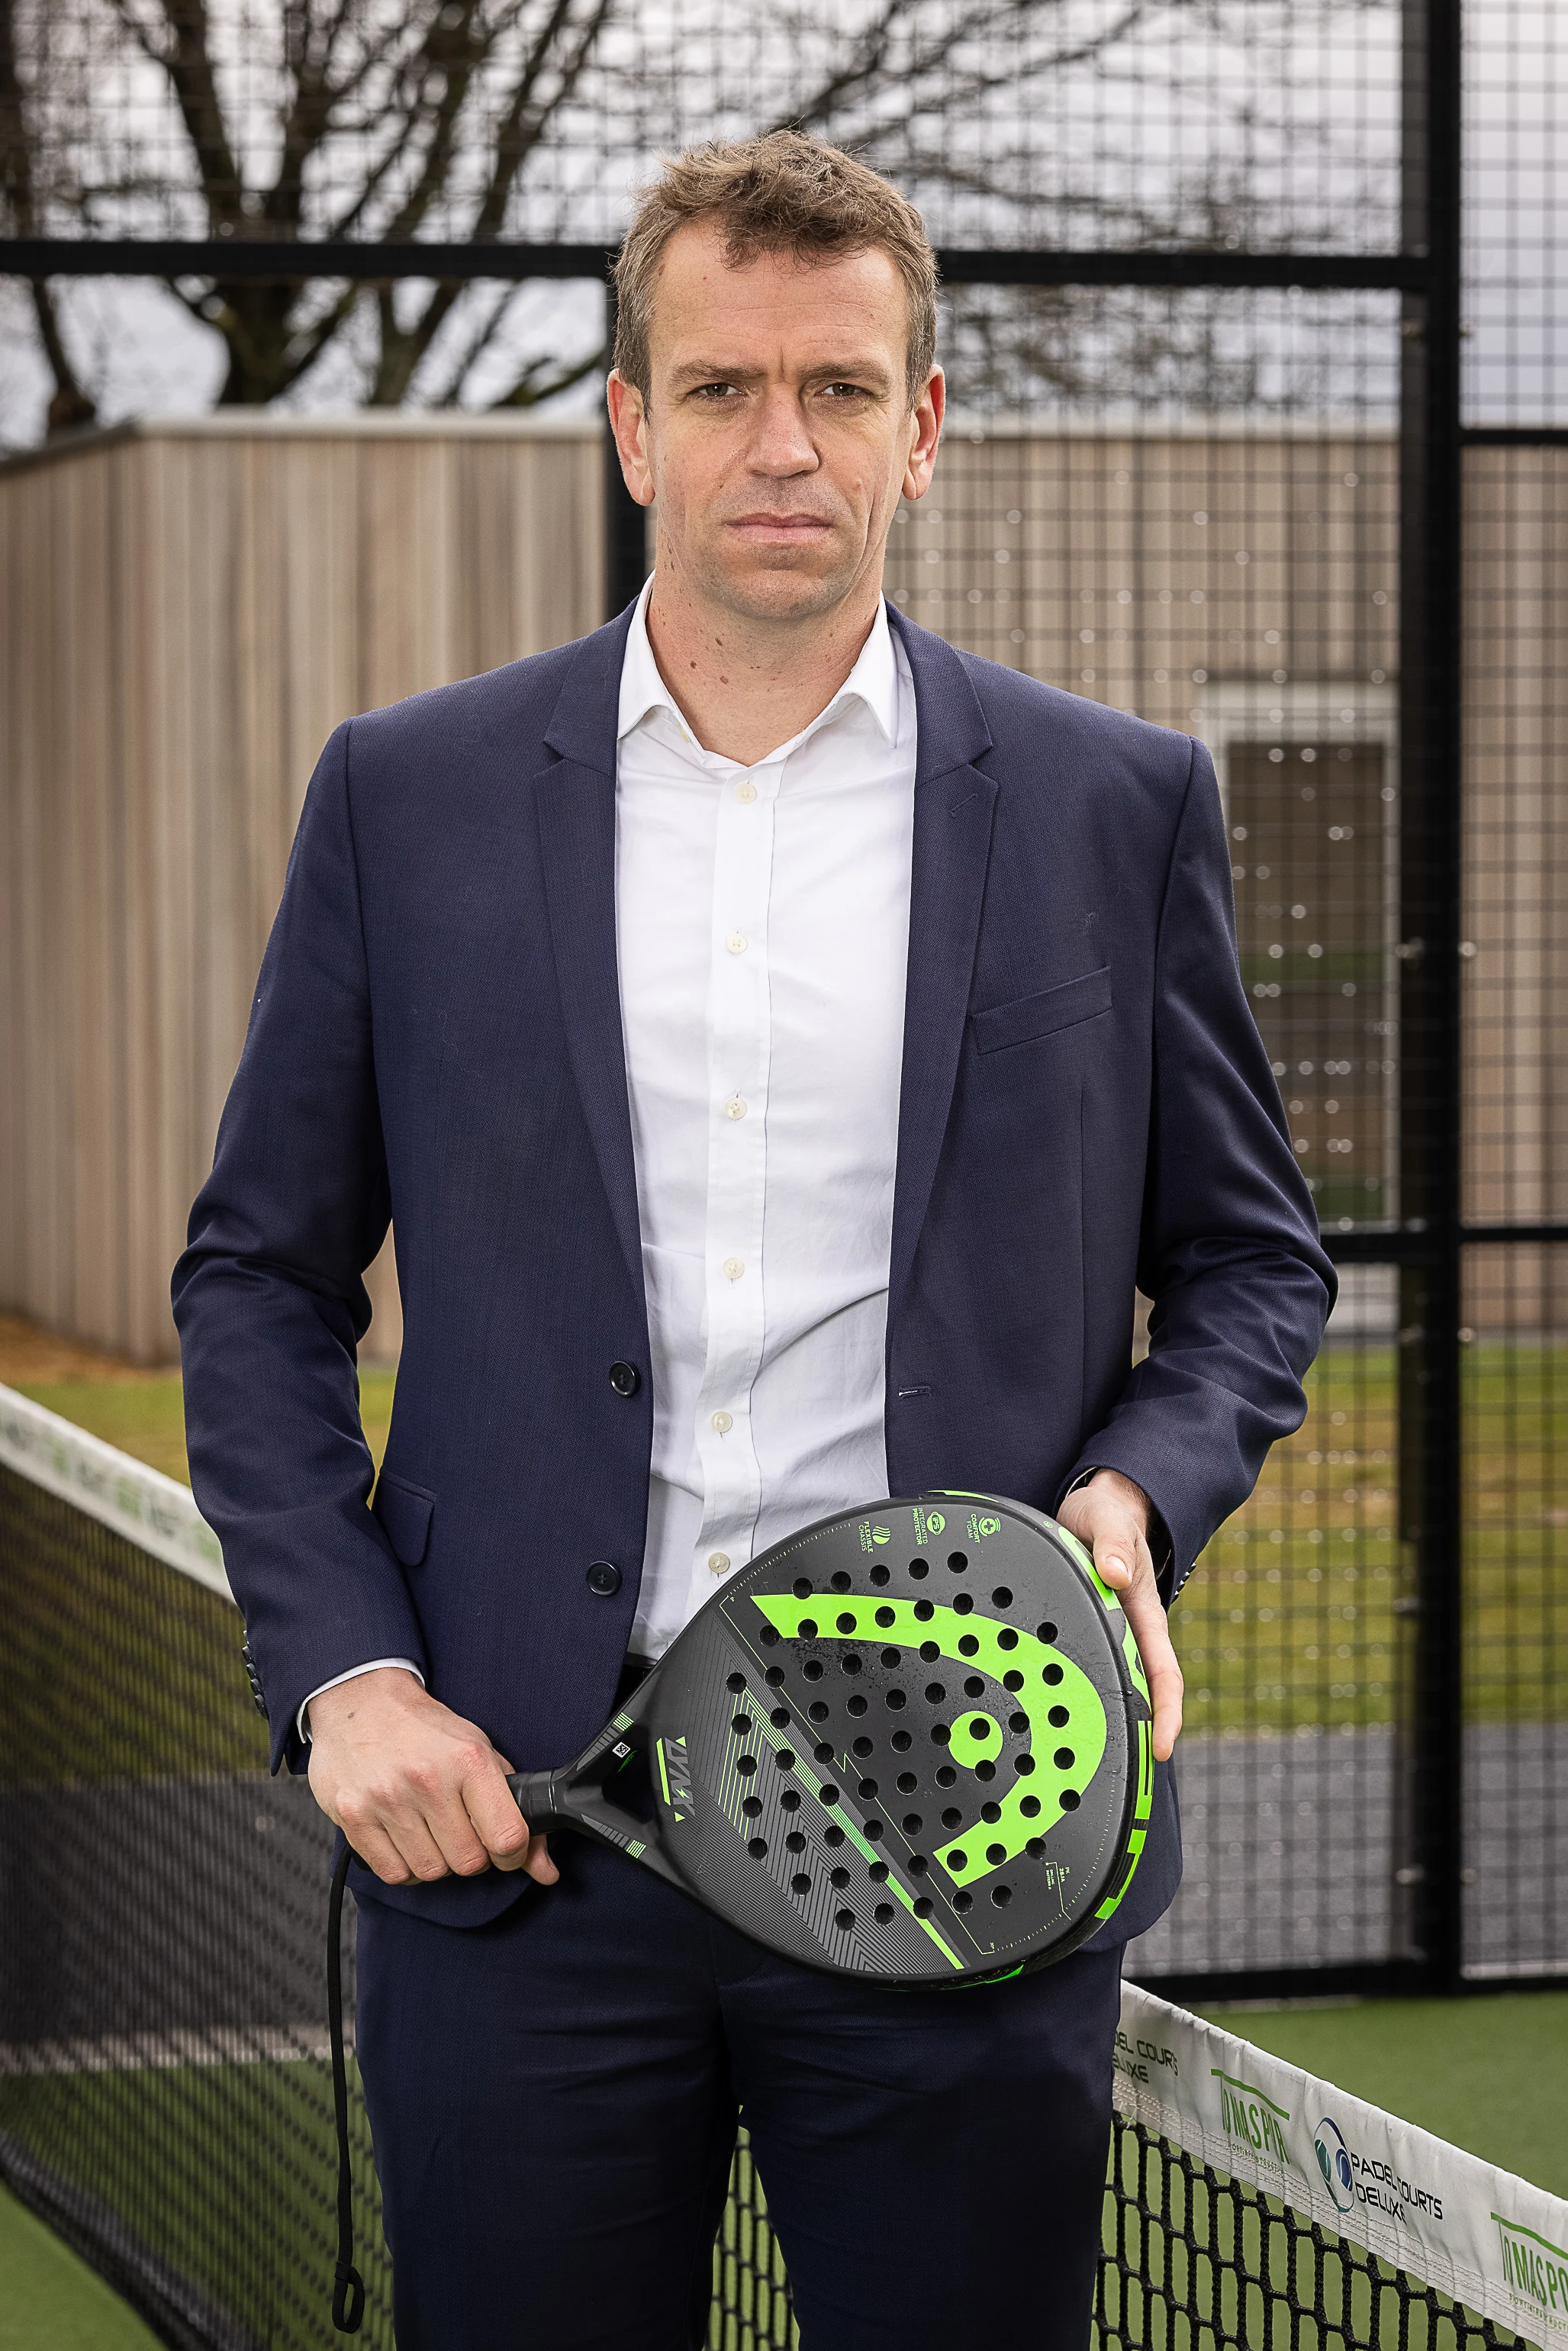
x=165, y=2098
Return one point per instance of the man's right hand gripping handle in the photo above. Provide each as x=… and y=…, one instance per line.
x=419, y=1792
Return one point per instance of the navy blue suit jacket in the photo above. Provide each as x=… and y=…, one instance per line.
x=436, y=1039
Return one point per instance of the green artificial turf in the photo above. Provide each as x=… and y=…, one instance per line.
x=1292, y=1619
x=146, y=1416
x=1488, y=2073
x=51, y=2302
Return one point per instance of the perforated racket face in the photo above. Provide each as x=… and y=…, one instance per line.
x=910, y=1742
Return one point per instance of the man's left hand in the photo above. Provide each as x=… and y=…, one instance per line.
x=1111, y=1515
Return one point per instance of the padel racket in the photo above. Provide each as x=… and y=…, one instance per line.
x=911, y=1742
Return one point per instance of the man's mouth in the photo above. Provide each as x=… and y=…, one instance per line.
x=796, y=525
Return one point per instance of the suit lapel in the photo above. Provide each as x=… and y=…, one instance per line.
x=954, y=805
x=576, y=802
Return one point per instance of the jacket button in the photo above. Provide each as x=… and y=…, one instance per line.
x=625, y=1379
x=255, y=1680
x=604, y=1578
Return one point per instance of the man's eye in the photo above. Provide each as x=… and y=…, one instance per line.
x=845, y=390
x=715, y=391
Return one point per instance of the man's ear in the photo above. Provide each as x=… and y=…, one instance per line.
x=929, y=409
x=629, y=423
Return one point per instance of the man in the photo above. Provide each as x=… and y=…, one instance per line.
x=782, y=1043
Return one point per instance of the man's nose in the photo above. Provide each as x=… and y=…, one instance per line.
x=781, y=444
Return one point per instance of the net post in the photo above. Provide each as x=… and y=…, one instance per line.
x=1430, y=917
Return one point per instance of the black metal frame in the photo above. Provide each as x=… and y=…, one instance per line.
x=279, y=257
x=1431, y=1502
x=1427, y=1244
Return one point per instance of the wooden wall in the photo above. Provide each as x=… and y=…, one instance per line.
x=1140, y=567
x=186, y=612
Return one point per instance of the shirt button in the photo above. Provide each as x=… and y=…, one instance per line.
x=735, y=1107
x=604, y=1579
x=718, y=1562
x=736, y=943
x=723, y=1423
x=735, y=1267
x=625, y=1379
x=746, y=792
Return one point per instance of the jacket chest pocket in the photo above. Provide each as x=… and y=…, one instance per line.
x=1025, y=1018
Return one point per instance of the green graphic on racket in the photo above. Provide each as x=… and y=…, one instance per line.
x=912, y=1742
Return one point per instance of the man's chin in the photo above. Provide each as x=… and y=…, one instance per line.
x=784, y=590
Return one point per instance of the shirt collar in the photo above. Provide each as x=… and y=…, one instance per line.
x=873, y=682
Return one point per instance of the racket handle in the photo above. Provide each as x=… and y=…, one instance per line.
x=535, y=1794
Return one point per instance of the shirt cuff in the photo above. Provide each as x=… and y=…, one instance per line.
x=301, y=1722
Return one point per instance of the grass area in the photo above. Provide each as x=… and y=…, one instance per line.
x=147, y=1418
x=1488, y=2073
x=179, y=1701
x=1290, y=1616
x=1293, y=1615
x=49, y=2301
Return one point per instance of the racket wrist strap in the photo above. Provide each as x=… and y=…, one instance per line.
x=348, y=2287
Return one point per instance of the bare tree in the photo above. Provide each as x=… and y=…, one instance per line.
x=479, y=120
x=378, y=121
x=406, y=85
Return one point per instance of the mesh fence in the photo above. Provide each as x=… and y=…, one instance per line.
x=1204, y=502
x=165, y=2098
x=1026, y=122
x=1201, y=502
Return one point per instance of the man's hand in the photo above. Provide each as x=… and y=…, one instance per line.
x=417, y=1790
x=1111, y=1515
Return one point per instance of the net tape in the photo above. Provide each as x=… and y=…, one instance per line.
x=1480, y=2236
x=1241, y=2188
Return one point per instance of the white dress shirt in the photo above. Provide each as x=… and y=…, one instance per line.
x=763, y=929
x=762, y=919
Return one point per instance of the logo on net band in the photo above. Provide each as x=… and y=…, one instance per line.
x=1534, y=2266
x=1352, y=2177
x=1247, y=2113
x=1333, y=2162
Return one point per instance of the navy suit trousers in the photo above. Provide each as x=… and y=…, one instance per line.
x=554, y=2098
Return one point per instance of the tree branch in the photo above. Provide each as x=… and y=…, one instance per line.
x=533, y=386
x=521, y=126
x=186, y=58
x=70, y=404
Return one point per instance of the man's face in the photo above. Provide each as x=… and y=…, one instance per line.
x=778, y=436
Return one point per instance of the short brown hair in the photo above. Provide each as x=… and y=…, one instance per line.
x=782, y=193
